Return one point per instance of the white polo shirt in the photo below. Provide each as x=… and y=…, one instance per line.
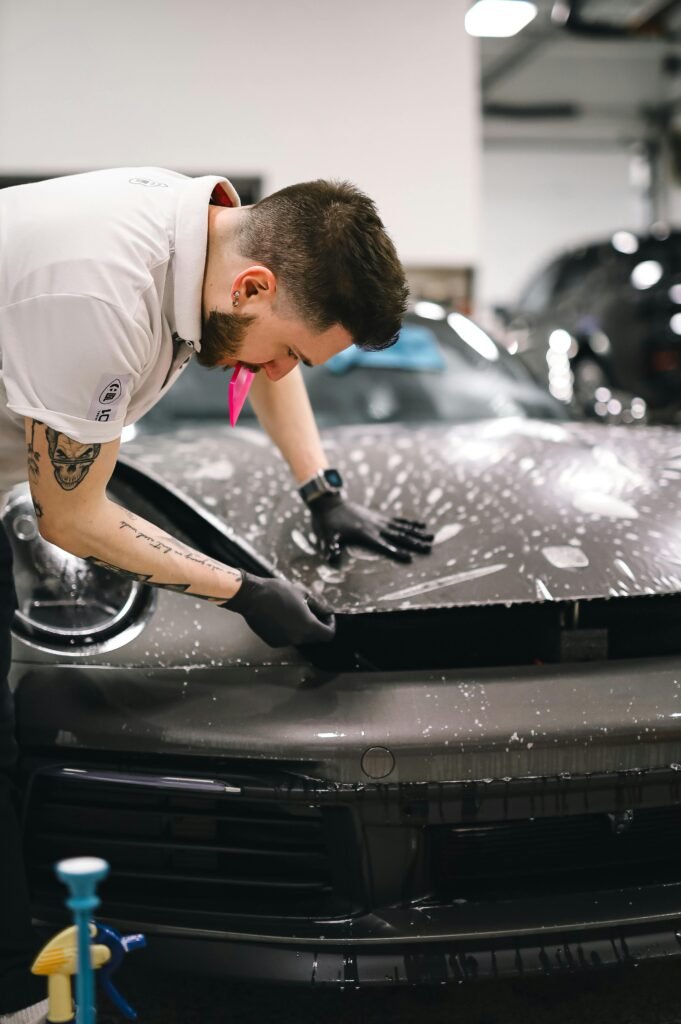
x=101, y=278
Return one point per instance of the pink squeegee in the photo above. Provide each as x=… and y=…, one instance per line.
x=239, y=386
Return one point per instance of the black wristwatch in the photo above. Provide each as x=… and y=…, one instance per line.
x=325, y=481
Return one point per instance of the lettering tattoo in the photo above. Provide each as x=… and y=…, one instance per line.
x=70, y=459
x=161, y=544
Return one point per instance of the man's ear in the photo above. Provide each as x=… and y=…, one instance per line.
x=255, y=282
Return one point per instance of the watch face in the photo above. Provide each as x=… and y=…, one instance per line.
x=333, y=478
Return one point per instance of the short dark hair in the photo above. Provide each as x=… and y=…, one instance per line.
x=327, y=246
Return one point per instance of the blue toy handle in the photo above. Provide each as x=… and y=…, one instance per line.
x=119, y=946
x=81, y=875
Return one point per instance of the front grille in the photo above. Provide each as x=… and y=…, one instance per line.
x=585, y=853
x=174, y=852
x=524, y=634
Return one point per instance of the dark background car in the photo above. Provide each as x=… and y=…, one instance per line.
x=619, y=300
x=479, y=776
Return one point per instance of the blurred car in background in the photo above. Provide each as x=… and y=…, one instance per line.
x=478, y=776
x=601, y=326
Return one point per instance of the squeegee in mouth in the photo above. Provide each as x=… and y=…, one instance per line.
x=237, y=393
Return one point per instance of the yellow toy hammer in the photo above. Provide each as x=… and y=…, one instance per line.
x=58, y=960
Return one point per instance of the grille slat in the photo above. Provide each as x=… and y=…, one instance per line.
x=200, y=880
x=113, y=844
x=84, y=805
x=527, y=858
x=216, y=854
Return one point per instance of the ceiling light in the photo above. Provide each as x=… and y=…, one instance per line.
x=500, y=18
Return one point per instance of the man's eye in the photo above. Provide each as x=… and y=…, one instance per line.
x=292, y=354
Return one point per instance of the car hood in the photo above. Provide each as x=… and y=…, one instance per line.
x=522, y=510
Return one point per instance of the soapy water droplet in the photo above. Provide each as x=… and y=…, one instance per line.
x=446, y=533
x=302, y=542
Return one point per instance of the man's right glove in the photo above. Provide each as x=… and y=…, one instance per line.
x=281, y=613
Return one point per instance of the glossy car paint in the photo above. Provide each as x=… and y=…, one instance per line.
x=522, y=510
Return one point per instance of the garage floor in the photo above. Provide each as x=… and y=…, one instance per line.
x=647, y=994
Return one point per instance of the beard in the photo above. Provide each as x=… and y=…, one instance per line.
x=222, y=336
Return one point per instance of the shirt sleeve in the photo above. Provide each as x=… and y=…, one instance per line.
x=72, y=362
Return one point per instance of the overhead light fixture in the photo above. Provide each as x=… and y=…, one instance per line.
x=501, y=18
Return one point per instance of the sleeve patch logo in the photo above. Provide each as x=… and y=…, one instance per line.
x=147, y=182
x=109, y=400
x=112, y=392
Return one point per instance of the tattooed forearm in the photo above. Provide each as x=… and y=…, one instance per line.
x=92, y=526
x=161, y=544
x=180, y=588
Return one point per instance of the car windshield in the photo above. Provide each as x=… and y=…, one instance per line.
x=446, y=371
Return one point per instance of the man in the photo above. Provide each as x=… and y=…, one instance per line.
x=109, y=282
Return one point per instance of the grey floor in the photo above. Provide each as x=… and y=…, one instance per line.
x=649, y=993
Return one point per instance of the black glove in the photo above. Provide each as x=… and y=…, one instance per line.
x=337, y=522
x=281, y=613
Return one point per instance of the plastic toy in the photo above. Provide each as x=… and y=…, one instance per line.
x=94, y=946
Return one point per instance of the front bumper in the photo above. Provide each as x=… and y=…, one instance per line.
x=492, y=723
x=302, y=867
x=360, y=897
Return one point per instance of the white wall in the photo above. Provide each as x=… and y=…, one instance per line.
x=538, y=200
x=550, y=184
x=383, y=92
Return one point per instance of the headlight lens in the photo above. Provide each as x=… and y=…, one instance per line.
x=62, y=598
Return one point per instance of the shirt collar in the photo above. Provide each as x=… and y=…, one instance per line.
x=191, y=241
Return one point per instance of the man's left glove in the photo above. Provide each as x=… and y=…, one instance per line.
x=337, y=523
x=280, y=612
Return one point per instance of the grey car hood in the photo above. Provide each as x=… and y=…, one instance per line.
x=522, y=510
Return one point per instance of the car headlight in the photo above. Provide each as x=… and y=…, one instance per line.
x=64, y=601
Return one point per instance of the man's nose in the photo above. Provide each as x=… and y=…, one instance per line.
x=278, y=368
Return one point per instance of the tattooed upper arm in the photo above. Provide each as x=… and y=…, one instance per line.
x=59, y=467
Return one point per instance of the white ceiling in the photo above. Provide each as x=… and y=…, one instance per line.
x=614, y=83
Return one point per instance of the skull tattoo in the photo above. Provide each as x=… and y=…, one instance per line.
x=70, y=459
